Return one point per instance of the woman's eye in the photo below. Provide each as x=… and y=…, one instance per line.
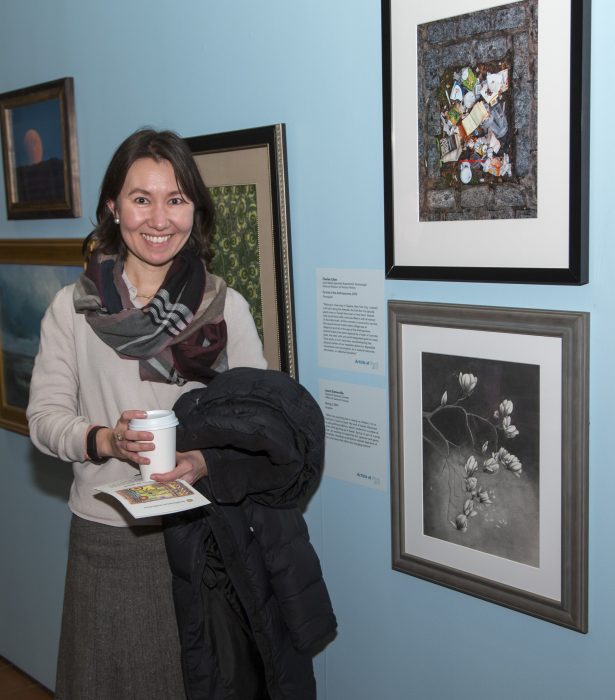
x=176, y=200
x=140, y=200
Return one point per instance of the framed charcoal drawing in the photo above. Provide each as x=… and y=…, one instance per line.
x=489, y=453
x=39, y=151
x=486, y=140
x=246, y=174
x=31, y=272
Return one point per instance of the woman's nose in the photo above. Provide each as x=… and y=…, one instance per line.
x=159, y=218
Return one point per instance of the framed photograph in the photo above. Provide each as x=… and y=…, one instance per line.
x=246, y=174
x=39, y=151
x=31, y=272
x=489, y=453
x=486, y=140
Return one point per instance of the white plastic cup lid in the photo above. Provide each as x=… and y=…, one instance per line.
x=155, y=420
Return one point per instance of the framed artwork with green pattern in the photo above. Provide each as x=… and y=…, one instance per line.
x=246, y=174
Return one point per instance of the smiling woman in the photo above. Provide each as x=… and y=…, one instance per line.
x=144, y=324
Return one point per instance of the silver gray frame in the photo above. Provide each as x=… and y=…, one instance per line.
x=573, y=329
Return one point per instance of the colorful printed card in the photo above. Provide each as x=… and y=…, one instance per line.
x=144, y=499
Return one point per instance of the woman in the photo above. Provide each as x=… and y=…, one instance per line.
x=144, y=324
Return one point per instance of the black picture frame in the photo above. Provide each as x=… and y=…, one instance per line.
x=246, y=173
x=489, y=453
x=548, y=241
x=39, y=151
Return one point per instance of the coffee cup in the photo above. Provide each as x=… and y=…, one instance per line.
x=162, y=424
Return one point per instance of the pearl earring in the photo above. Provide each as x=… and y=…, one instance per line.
x=116, y=220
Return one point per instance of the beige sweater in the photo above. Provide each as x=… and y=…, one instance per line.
x=79, y=381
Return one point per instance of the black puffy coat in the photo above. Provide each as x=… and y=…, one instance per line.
x=262, y=435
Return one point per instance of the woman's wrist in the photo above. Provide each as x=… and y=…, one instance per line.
x=104, y=443
x=94, y=443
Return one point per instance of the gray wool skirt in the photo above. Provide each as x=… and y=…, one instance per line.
x=119, y=634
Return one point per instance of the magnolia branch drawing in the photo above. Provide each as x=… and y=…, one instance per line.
x=480, y=430
x=451, y=429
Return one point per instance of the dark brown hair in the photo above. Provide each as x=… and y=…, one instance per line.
x=158, y=145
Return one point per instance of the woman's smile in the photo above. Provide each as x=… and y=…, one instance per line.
x=156, y=240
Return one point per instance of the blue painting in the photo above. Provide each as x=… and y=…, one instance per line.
x=26, y=292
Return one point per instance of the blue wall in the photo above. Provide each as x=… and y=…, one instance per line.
x=199, y=67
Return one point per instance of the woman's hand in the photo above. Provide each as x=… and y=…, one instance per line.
x=190, y=467
x=125, y=444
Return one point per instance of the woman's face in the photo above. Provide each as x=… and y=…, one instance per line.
x=155, y=217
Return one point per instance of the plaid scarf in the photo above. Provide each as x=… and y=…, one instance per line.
x=180, y=335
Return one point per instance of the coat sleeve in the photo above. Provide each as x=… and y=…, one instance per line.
x=295, y=575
